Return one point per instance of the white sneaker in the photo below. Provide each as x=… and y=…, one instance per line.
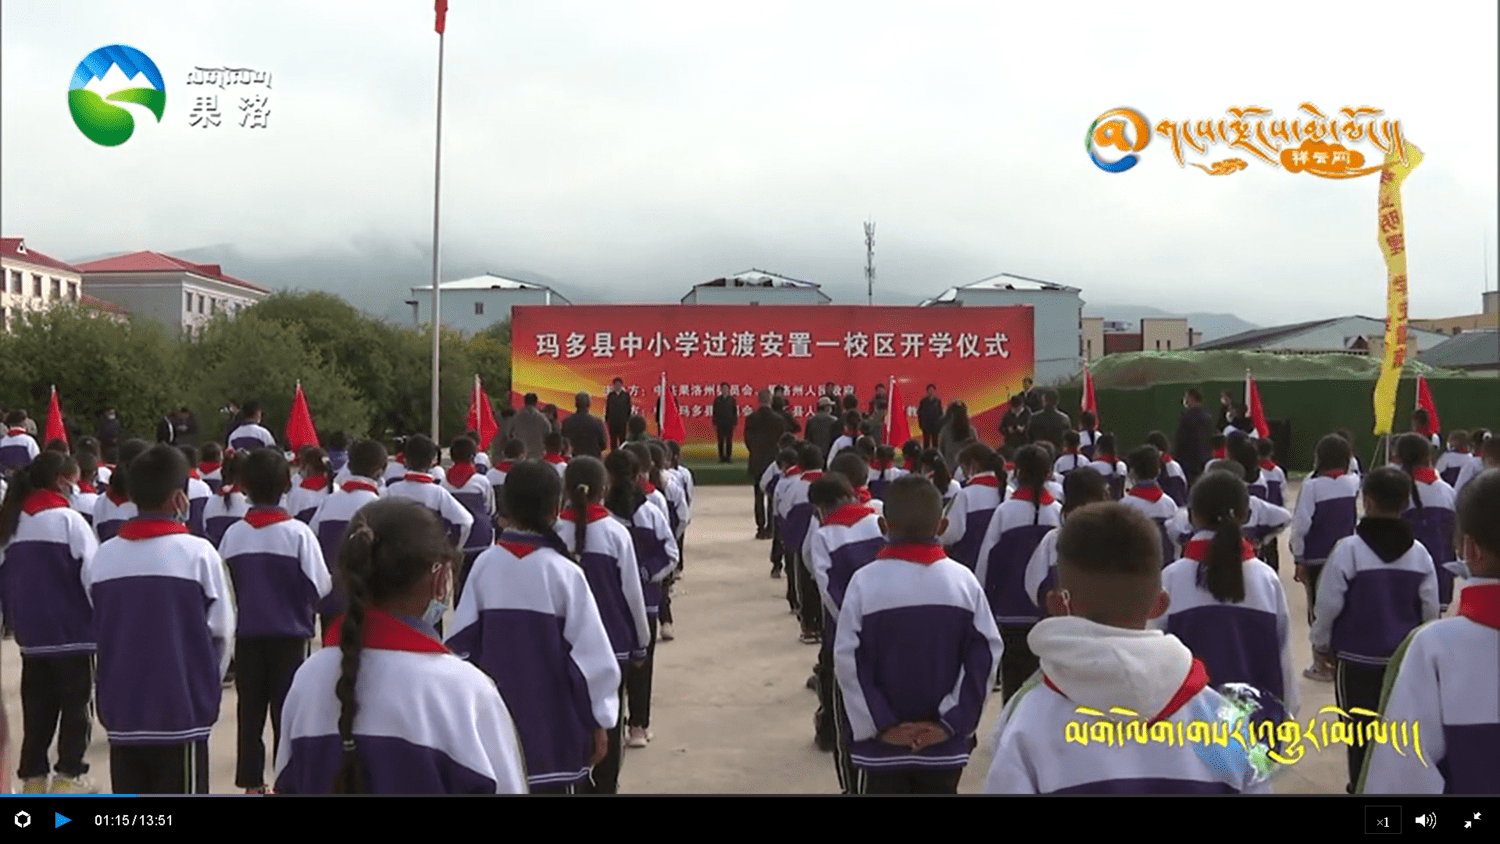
x=35, y=785
x=73, y=785
x=637, y=738
x=665, y=633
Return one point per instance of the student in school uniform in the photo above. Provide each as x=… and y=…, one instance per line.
x=395, y=467
x=530, y=621
x=1088, y=434
x=1226, y=605
x=1326, y=513
x=796, y=516
x=857, y=472
x=1444, y=679
x=911, y=456
x=606, y=553
x=883, y=470
x=348, y=724
x=229, y=504
x=656, y=554
x=1271, y=474
x=1015, y=530
x=913, y=712
x=781, y=471
x=1083, y=487
x=210, y=465
x=1452, y=461
x=1173, y=480
x=198, y=492
x=86, y=491
x=1112, y=468
x=250, y=435
x=1147, y=496
x=1377, y=587
x=481, y=459
x=165, y=620
x=313, y=486
x=466, y=482
x=338, y=452
x=847, y=438
x=1348, y=438
x=17, y=448
x=279, y=575
x=847, y=538
x=421, y=485
x=1098, y=651
x=46, y=544
x=331, y=523
x=969, y=517
x=1072, y=456
x=1217, y=445
x=1486, y=456
x=935, y=468
x=662, y=493
x=114, y=508
x=553, y=448
x=513, y=452
x=1430, y=511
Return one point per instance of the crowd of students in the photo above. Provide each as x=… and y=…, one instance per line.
x=1076, y=576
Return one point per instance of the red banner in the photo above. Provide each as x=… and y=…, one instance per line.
x=977, y=355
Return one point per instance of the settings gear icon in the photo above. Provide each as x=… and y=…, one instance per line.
x=23, y=820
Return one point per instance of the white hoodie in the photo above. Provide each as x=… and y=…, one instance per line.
x=1085, y=664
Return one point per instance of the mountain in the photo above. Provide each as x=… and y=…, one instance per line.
x=115, y=80
x=1213, y=326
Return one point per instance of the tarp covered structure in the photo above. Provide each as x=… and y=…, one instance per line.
x=1143, y=369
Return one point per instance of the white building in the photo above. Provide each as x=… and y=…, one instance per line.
x=181, y=295
x=473, y=304
x=1057, y=314
x=1347, y=335
x=31, y=281
x=756, y=287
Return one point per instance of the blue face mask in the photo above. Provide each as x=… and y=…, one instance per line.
x=435, y=611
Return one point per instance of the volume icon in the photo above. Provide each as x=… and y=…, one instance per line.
x=1428, y=820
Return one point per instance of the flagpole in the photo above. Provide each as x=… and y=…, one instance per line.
x=436, y=291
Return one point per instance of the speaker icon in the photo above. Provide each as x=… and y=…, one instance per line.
x=1428, y=820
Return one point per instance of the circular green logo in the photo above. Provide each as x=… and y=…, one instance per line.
x=114, y=74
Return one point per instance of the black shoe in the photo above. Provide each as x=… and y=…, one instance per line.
x=812, y=683
x=826, y=745
x=775, y=572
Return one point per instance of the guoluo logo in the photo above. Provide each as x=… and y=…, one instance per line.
x=114, y=74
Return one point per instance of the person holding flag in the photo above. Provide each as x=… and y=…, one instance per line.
x=299, y=425
x=896, y=428
x=1257, y=415
x=1424, y=420
x=669, y=423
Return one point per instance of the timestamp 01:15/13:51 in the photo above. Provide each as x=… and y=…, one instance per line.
x=132, y=820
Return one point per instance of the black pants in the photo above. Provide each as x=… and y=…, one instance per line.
x=1358, y=686
x=928, y=441
x=809, y=605
x=825, y=720
x=843, y=761
x=56, y=698
x=638, y=683
x=266, y=666
x=1270, y=553
x=665, y=611
x=159, y=768
x=726, y=444
x=1310, y=583
x=1017, y=663
x=616, y=436
x=605, y=777
x=910, y=781
x=760, y=508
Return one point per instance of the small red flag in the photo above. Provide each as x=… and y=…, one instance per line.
x=897, y=427
x=55, y=429
x=299, y=425
x=442, y=15
x=481, y=418
x=1424, y=401
x=1257, y=415
x=671, y=420
x=1089, y=404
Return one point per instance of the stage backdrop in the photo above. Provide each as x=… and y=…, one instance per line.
x=977, y=355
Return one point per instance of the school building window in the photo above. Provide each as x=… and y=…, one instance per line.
x=478, y=309
x=1158, y=345
x=36, y=286
x=56, y=289
x=73, y=291
x=188, y=306
x=17, y=284
x=200, y=303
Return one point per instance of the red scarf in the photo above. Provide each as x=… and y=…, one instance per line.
x=592, y=514
x=208, y=468
x=1070, y=451
x=193, y=473
x=1196, y=680
x=150, y=528
x=383, y=631
x=1269, y=465
x=85, y=486
x=648, y=487
x=1166, y=458
x=351, y=485
x=418, y=478
x=985, y=479
x=1461, y=450
x=863, y=494
x=908, y=467
x=848, y=515
x=504, y=466
x=1010, y=467
x=1333, y=473
x=460, y=473
x=1481, y=604
x=42, y=499
x=1105, y=458
x=261, y=518
x=881, y=465
x=554, y=458
x=116, y=500
x=15, y=432
x=1424, y=474
x=811, y=476
x=1146, y=492
x=1024, y=494
x=314, y=483
x=912, y=552
x=1197, y=549
x=1219, y=454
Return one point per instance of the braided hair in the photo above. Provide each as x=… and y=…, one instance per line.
x=583, y=482
x=1031, y=469
x=1222, y=501
x=1413, y=451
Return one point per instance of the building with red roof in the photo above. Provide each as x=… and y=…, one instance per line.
x=181, y=295
x=31, y=281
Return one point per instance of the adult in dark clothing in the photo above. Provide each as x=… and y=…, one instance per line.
x=876, y=413
x=1194, y=430
x=583, y=430
x=1226, y=411
x=187, y=427
x=531, y=427
x=166, y=429
x=929, y=418
x=726, y=416
x=763, y=429
x=778, y=404
x=1050, y=424
x=616, y=413
x=109, y=428
x=831, y=392
x=823, y=426
x=1034, y=399
x=1014, y=423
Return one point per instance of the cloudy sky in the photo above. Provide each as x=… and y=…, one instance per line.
x=630, y=150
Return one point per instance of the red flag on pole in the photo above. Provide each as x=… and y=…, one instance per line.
x=1252, y=401
x=1089, y=405
x=1424, y=401
x=481, y=418
x=55, y=429
x=671, y=421
x=442, y=16
x=299, y=424
x=897, y=428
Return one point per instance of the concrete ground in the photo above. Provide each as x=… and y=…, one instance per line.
x=731, y=713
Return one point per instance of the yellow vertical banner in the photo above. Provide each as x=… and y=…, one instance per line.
x=1399, y=163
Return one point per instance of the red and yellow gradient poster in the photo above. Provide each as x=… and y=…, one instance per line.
x=977, y=355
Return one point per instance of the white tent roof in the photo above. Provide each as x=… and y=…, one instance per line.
x=1003, y=281
x=488, y=281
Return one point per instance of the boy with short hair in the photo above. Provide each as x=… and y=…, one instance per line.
x=1147, y=496
x=423, y=485
x=913, y=711
x=1097, y=651
x=250, y=435
x=1443, y=677
x=554, y=446
x=796, y=519
x=165, y=621
x=198, y=492
x=17, y=448
x=367, y=461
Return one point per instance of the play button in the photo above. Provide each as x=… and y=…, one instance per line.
x=59, y=820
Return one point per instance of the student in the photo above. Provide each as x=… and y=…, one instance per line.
x=1348, y=438
x=114, y=508
x=857, y=472
x=229, y=505
x=847, y=438
x=348, y=725
x=1112, y=468
x=1098, y=651
x=467, y=483
x=1226, y=605
x=338, y=452
x=1486, y=456
x=913, y=712
x=165, y=619
x=1452, y=461
x=46, y=544
x=679, y=470
x=395, y=468
x=1217, y=445
x=656, y=554
x=606, y=553
x=1088, y=434
x=969, y=517
x=553, y=446
x=1014, y=532
x=1377, y=587
x=1272, y=475
x=1173, y=480
x=1071, y=458
x=1146, y=495
x=1083, y=487
x=636, y=429
x=781, y=471
x=1443, y=678
x=883, y=470
x=86, y=493
x=1431, y=510
x=279, y=575
x=331, y=523
x=211, y=461
x=678, y=516
x=1326, y=513
x=933, y=467
x=17, y=448
x=1242, y=450
x=313, y=487
x=421, y=485
x=847, y=538
x=529, y=620
x=513, y=453
x=198, y=492
x=250, y=435
x=796, y=518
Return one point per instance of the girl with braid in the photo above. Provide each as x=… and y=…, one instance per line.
x=406, y=716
